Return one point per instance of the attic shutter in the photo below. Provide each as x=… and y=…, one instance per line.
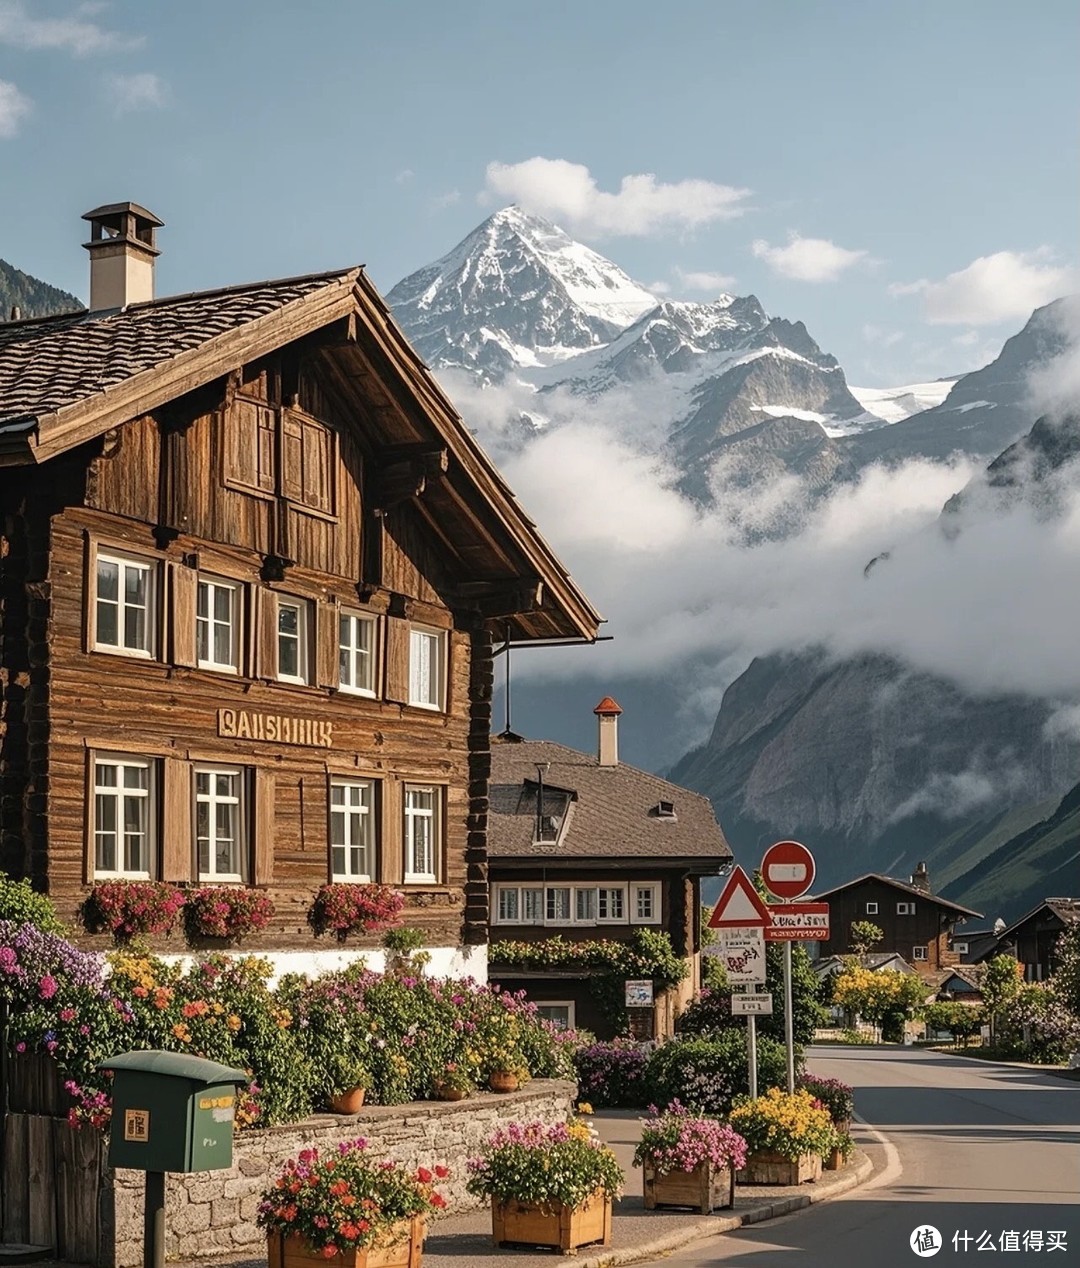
x=292, y=457
x=397, y=659
x=306, y=457
x=185, y=590
x=177, y=842
x=327, y=639
x=263, y=835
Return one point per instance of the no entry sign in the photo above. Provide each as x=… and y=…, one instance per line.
x=787, y=869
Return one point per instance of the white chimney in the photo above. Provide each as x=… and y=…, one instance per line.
x=608, y=713
x=122, y=254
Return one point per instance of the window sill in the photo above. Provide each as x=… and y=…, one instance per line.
x=427, y=708
x=129, y=653
x=361, y=693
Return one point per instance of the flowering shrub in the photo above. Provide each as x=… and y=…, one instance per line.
x=454, y=1078
x=344, y=1200
x=36, y=966
x=344, y=909
x=225, y=911
x=678, y=1140
x=837, y=1097
x=789, y=1124
x=708, y=1073
x=129, y=908
x=1039, y=1027
x=708, y=1011
x=612, y=1073
x=21, y=903
x=531, y=1162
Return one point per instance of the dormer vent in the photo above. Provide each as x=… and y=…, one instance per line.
x=664, y=810
x=122, y=249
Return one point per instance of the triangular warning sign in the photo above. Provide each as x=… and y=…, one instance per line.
x=740, y=906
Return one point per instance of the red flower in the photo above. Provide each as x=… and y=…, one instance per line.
x=442, y=1172
x=437, y=1199
x=423, y=1175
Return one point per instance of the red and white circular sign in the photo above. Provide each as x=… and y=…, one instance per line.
x=787, y=869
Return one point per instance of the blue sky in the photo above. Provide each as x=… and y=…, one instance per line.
x=902, y=177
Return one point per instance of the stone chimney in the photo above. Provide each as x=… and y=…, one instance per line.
x=608, y=713
x=920, y=878
x=122, y=254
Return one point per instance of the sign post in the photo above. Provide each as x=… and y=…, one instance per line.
x=739, y=919
x=788, y=872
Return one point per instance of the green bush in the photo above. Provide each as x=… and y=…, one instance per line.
x=21, y=904
x=707, y=1073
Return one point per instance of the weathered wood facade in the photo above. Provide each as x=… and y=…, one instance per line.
x=248, y=601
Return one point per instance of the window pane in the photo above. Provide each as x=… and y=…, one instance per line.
x=223, y=653
x=105, y=834
x=203, y=604
x=585, y=904
x=288, y=620
x=558, y=904
x=532, y=905
x=108, y=580
x=508, y=904
x=222, y=604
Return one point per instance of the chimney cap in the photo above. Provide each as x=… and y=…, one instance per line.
x=109, y=210
x=607, y=708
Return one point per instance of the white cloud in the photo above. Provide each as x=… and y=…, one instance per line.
x=448, y=199
x=1055, y=387
x=659, y=288
x=141, y=91
x=712, y=283
x=968, y=339
x=808, y=259
x=568, y=193
x=75, y=34
x=404, y=176
x=879, y=337
x=994, y=288
x=14, y=107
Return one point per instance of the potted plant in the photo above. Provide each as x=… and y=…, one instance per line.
x=128, y=909
x=499, y=1038
x=454, y=1083
x=549, y=1185
x=787, y=1136
x=225, y=911
x=688, y=1160
x=836, y=1097
x=405, y=956
x=344, y=1205
x=344, y=909
x=347, y=1081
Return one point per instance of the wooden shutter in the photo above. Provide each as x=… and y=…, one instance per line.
x=266, y=639
x=292, y=457
x=177, y=836
x=397, y=659
x=90, y=595
x=263, y=828
x=249, y=443
x=184, y=584
x=317, y=452
x=327, y=637
x=390, y=854
x=89, y=810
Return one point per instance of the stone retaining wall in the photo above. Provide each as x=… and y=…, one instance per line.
x=213, y=1212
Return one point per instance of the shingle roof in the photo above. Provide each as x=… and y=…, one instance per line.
x=1067, y=911
x=55, y=362
x=613, y=815
x=905, y=887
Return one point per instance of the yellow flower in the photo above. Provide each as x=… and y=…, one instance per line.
x=233, y=1022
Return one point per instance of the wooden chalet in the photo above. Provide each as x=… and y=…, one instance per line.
x=918, y=925
x=252, y=563
x=584, y=847
x=1034, y=937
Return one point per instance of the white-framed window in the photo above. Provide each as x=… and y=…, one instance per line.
x=125, y=615
x=918, y=953
x=961, y=948
x=557, y=905
x=514, y=905
x=507, y=905
x=427, y=672
x=421, y=834
x=560, y=1012
x=124, y=817
x=220, y=821
x=645, y=904
x=532, y=906
x=352, y=830
x=293, y=640
x=217, y=625
x=611, y=905
x=356, y=653
x=905, y=909
x=584, y=906
x=871, y=909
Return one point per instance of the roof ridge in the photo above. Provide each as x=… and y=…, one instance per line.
x=238, y=287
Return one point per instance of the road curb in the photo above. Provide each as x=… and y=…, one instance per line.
x=675, y=1240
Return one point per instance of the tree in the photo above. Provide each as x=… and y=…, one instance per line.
x=1065, y=982
x=1004, y=977
x=960, y=1020
x=886, y=999
x=864, y=935
x=713, y=976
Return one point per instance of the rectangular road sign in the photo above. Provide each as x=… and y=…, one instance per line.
x=798, y=922
x=756, y=1004
x=741, y=952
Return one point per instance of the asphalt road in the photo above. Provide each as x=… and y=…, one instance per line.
x=968, y=1147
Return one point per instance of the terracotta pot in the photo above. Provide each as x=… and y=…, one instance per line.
x=450, y=1093
x=403, y=1250
x=560, y=1227
x=504, y=1081
x=348, y=1102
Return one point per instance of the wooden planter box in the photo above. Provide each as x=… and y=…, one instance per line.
x=706, y=1188
x=770, y=1168
x=558, y=1227
x=404, y=1251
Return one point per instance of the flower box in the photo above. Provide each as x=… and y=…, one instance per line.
x=766, y=1167
x=706, y=1188
x=834, y=1160
x=557, y=1226
x=403, y=1249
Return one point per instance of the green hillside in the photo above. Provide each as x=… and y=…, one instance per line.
x=32, y=297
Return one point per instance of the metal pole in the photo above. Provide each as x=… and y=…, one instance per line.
x=789, y=1026
x=154, y=1221
x=751, y=1037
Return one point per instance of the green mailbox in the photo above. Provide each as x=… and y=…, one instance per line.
x=171, y=1112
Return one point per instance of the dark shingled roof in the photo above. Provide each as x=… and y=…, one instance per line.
x=1067, y=911
x=613, y=815
x=906, y=887
x=55, y=362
